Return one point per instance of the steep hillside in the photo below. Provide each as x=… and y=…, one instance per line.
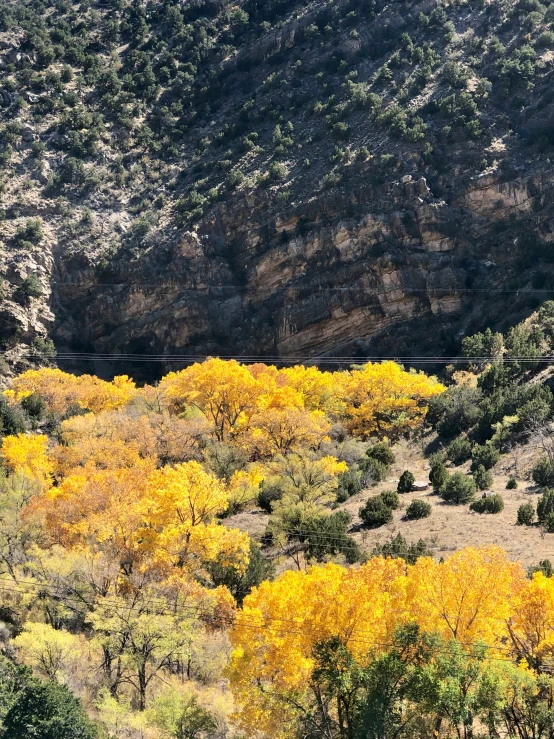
x=272, y=178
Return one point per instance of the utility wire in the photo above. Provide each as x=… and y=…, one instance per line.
x=314, y=290
x=194, y=610
x=332, y=289
x=254, y=624
x=292, y=360
x=259, y=538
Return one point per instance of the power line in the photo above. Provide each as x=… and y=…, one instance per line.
x=195, y=610
x=291, y=359
x=264, y=358
x=345, y=540
x=254, y=624
x=315, y=289
x=501, y=209
x=260, y=538
x=243, y=289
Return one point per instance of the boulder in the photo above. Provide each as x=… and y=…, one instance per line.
x=28, y=134
x=42, y=173
x=420, y=485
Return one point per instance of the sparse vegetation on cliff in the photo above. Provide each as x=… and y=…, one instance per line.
x=400, y=130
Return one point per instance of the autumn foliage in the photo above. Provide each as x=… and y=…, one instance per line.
x=113, y=514
x=128, y=478
x=125, y=583
x=477, y=601
x=380, y=400
x=60, y=390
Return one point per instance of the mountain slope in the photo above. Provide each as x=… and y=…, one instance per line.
x=278, y=178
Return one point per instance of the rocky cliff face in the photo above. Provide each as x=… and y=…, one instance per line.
x=369, y=271
x=281, y=179
x=401, y=275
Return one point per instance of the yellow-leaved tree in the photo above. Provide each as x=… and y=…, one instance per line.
x=384, y=400
x=117, y=438
x=281, y=622
x=180, y=531
x=315, y=387
x=531, y=621
x=283, y=430
x=466, y=600
x=98, y=510
x=27, y=454
x=60, y=390
x=468, y=596
x=158, y=520
x=225, y=392
x=281, y=422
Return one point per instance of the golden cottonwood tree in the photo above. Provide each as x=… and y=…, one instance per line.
x=273, y=637
x=27, y=454
x=384, y=400
x=531, y=622
x=118, y=437
x=468, y=597
x=98, y=509
x=244, y=486
x=179, y=529
x=159, y=520
x=60, y=390
x=315, y=387
x=99, y=453
x=225, y=392
x=283, y=430
x=281, y=423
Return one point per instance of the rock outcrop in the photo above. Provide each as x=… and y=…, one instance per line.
x=303, y=282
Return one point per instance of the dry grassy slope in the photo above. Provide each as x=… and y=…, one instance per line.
x=449, y=528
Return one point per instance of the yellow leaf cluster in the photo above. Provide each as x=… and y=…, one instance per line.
x=273, y=411
x=60, y=390
x=178, y=511
x=468, y=597
x=532, y=619
x=28, y=454
x=98, y=509
x=471, y=597
x=46, y=649
x=316, y=388
x=118, y=438
x=385, y=400
x=226, y=392
x=157, y=520
x=244, y=485
x=282, y=430
x=281, y=621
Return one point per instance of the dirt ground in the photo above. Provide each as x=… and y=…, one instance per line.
x=448, y=528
